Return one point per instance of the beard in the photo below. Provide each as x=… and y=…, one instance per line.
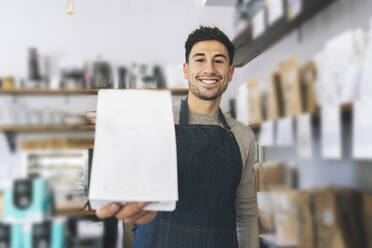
x=205, y=96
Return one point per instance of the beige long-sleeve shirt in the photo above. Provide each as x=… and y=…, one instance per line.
x=246, y=204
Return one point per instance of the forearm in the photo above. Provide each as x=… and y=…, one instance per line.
x=246, y=205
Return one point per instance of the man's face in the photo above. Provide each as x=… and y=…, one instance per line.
x=208, y=70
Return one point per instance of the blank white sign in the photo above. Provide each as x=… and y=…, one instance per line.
x=135, y=156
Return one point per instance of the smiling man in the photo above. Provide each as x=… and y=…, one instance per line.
x=217, y=200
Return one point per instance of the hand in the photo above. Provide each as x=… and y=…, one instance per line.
x=131, y=213
x=91, y=117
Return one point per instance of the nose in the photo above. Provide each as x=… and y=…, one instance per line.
x=209, y=68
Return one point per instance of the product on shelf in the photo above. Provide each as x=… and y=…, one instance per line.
x=284, y=214
x=7, y=83
x=348, y=203
x=305, y=221
x=367, y=217
x=270, y=175
x=65, y=168
x=265, y=213
x=27, y=200
x=254, y=101
x=308, y=79
x=274, y=101
x=328, y=220
x=290, y=86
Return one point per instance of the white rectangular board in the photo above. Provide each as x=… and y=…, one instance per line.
x=362, y=125
x=331, y=132
x=267, y=133
x=284, y=134
x=135, y=154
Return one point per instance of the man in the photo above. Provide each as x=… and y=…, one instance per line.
x=217, y=200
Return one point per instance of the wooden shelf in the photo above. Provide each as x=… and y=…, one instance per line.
x=44, y=128
x=248, y=48
x=179, y=92
x=76, y=212
x=345, y=108
x=174, y=91
x=49, y=92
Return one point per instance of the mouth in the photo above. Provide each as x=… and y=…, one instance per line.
x=208, y=82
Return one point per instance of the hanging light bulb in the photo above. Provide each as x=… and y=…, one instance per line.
x=70, y=8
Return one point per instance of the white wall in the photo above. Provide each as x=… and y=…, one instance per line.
x=122, y=31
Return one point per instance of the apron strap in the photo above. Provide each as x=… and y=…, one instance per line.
x=184, y=115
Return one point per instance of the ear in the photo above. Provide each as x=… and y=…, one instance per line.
x=231, y=72
x=185, y=70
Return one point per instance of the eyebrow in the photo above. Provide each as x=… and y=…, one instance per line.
x=198, y=54
x=217, y=55
x=220, y=55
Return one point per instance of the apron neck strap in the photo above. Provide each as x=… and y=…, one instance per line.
x=184, y=115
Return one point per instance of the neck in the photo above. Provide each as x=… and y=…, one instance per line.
x=204, y=107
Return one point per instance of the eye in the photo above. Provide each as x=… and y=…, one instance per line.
x=199, y=60
x=219, y=61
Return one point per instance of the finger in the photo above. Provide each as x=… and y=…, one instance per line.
x=133, y=218
x=93, y=121
x=91, y=114
x=130, y=209
x=107, y=211
x=149, y=216
x=91, y=117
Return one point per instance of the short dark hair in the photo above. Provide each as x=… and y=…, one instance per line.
x=208, y=33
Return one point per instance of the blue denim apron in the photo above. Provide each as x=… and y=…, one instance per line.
x=209, y=172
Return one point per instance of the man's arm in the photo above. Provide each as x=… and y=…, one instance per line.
x=246, y=203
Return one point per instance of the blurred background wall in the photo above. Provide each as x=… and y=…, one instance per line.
x=155, y=31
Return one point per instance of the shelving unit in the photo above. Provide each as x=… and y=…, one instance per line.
x=247, y=48
x=345, y=109
x=76, y=212
x=46, y=128
x=10, y=131
x=174, y=91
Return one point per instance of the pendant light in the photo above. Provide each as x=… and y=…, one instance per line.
x=70, y=7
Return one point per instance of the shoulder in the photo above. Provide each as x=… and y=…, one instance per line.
x=240, y=130
x=245, y=138
x=176, y=112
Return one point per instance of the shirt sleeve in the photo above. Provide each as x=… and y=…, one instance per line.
x=246, y=203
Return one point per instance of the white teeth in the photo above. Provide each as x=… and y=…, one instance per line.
x=209, y=81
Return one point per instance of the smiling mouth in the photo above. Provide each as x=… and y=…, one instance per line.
x=208, y=82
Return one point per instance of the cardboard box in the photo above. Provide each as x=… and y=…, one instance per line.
x=305, y=219
x=274, y=101
x=265, y=213
x=350, y=215
x=270, y=175
x=290, y=87
x=254, y=101
x=367, y=217
x=285, y=215
x=328, y=232
x=308, y=79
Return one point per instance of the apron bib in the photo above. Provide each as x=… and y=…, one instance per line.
x=209, y=172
